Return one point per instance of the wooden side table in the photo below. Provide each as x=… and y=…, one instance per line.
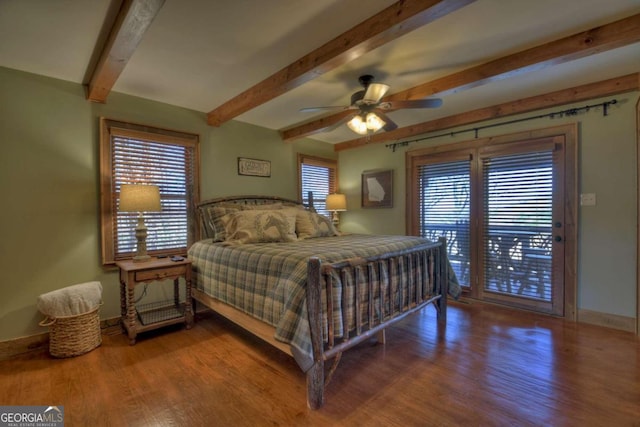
x=158, y=314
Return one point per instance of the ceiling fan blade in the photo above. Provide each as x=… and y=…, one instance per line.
x=329, y=108
x=414, y=103
x=375, y=92
x=389, y=124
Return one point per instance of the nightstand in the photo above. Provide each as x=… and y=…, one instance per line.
x=141, y=318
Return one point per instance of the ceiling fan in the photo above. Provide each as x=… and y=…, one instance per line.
x=370, y=115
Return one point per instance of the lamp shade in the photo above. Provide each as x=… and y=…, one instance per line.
x=358, y=125
x=374, y=123
x=362, y=125
x=336, y=202
x=139, y=198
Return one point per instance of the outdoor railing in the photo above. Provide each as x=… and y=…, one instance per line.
x=517, y=258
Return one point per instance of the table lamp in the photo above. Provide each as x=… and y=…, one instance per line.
x=140, y=198
x=336, y=203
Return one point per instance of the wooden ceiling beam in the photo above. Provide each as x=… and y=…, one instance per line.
x=393, y=22
x=609, y=87
x=596, y=40
x=133, y=20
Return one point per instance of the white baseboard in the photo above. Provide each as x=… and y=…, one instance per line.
x=612, y=321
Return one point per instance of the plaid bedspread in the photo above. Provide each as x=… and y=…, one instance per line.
x=267, y=280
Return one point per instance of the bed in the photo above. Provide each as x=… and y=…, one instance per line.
x=282, y=272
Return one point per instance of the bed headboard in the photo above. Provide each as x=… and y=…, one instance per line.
x=244, y=200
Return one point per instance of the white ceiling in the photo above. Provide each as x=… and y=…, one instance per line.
x=200, y=53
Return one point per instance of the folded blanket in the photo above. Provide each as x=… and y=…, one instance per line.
x=72, y=300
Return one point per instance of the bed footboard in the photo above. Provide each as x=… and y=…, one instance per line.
x=379, y=300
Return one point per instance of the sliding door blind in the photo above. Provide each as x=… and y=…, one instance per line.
x=518, y=202
x=444, y=210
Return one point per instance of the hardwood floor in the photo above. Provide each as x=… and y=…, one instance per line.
x=491, y=367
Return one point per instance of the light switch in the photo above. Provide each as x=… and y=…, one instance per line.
x=588, y=199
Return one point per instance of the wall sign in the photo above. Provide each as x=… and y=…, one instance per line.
x=254, y=167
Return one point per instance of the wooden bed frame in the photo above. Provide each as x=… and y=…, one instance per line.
x=319, y=279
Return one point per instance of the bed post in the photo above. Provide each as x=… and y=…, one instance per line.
x=444, y=282
x=310, y=197
x=315, y=375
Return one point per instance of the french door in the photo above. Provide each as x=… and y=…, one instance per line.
x=502, y=209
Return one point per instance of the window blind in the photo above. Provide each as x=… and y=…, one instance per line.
x=319, y=177
x=170, y=167
x=445, y=199
x=518, y=202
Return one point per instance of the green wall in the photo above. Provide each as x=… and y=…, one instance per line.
x=50, y=228
x=607, y=167
x=219, y=158
x=49, y=172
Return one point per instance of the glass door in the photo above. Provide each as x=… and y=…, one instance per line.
x=521, y=225
x=501, y=208
x=445, y=210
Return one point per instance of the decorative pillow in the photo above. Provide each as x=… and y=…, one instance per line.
x=263, y=207
x=214, y=225
x=311, y=224
x=261, y=226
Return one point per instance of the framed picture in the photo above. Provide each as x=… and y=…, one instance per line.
x=377, y=189
x=254, y=167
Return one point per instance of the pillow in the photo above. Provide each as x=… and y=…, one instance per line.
x=310, y=224
x=263, y=207
x=214, y=225
x=261, y=226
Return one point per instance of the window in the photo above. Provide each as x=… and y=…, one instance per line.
x=134, y=154
x=319, y=176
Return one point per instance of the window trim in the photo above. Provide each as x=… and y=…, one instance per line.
x=110, y=128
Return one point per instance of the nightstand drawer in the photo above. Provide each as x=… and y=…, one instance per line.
x=159, y=273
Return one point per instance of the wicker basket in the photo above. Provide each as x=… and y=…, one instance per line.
x=73, y=335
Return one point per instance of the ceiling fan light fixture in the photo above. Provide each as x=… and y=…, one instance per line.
x=370, y=123
x=370, y=116
x=374, y=123
x=358, y=125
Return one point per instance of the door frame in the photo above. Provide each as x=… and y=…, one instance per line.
x=554, y=145
x=638, y=219
x=570, y=134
